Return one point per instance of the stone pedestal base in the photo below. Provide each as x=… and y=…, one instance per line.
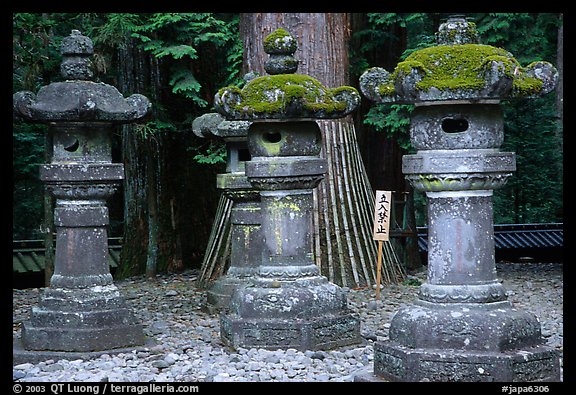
x=393, y=362
x=220, y=293
x=305, y=314
x=465, y=342
x=322, y=333
x=81, y=320
x=21, y=355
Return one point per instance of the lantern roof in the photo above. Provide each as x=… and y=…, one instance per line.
x=283, y=94
x=458, y=68
x=78, y=98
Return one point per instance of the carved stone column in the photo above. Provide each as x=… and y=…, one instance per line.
x=461, y=327
x=245, y=240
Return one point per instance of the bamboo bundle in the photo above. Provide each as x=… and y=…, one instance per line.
x=217, y=256
x=346, y=204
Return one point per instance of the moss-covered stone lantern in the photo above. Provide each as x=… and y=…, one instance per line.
x=244, y=241
x=288, y=304
x=461, y=327
x=82, y=312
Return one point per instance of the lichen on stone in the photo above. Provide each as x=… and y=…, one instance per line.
x=279, y=42
x=458, y=31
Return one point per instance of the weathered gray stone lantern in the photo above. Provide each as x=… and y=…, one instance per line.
x=82, y=311
x=245, y=240
x=461, y=327
x=288, y=304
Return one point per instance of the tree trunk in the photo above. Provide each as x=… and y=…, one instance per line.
x=344, y=200
x=560, y=93
x=169, y=199
x=151, y=243
x=48, y=224
x=135, y=240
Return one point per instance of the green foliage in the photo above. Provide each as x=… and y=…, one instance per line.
x=33, y=51
x=528, y=36
x=117, y=29
x=27, y=155
x=210, y=153
x=412, y=282
x=419, y=26
x=184, y=83
x=534, y=192
x=393, y=119
x=178, y=37
x=152, y=128
x=406, y=20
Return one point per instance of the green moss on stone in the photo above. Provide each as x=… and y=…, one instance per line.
x=458, y=67
x=525, y=85
x=272, y=94
x=386, y=89
x=406, y=67
x=272, y=149
x=279, y=41
x=455, y=66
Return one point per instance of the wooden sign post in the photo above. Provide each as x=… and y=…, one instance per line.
x=381, y=228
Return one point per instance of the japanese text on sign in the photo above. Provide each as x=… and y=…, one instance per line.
x=382, y=215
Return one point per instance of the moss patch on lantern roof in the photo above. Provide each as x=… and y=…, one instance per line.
x=460, y=33
x=279, y=41
x=457, y=67
x=275, y=93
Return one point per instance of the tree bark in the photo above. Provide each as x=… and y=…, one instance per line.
x=560, y=92
x=135, y=240
x=344, y=201
x=152, y=190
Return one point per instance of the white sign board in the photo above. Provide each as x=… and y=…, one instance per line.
x=382, y=215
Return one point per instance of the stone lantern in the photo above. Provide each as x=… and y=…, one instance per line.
x=83, y=311
x=245, y=240
x=461, y=327
x=287, y=304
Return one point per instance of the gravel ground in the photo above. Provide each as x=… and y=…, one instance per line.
x=187, y=347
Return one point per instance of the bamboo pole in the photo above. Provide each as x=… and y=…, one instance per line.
x=378, y=267
x=325, y=208
x=336, y=130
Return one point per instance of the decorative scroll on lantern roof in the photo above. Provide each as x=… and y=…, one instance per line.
x=458, y=68
x=78, y=98
x=283, y=94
